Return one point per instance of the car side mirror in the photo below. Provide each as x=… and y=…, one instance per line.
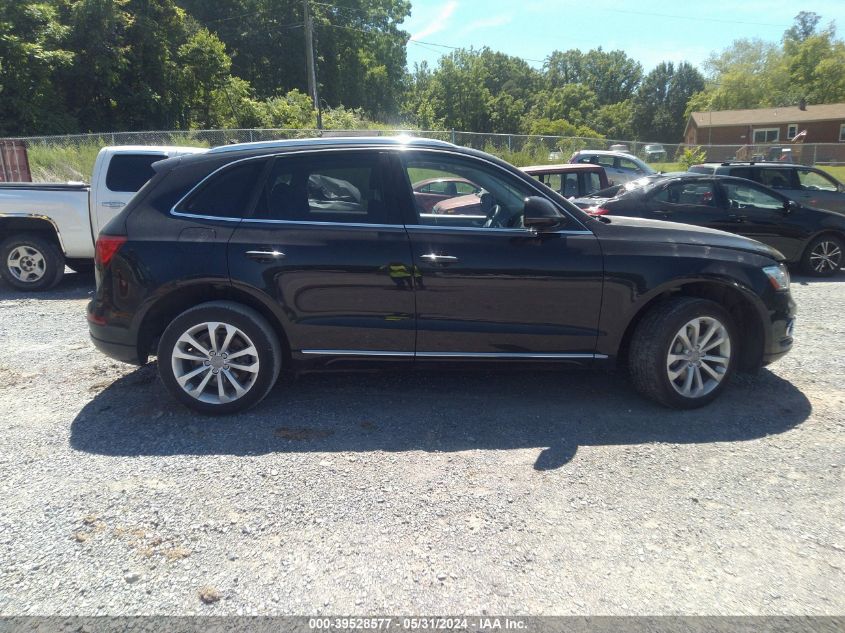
x=539, y=213
x=790, y=206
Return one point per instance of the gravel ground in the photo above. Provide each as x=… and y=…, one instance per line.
x=529, y=493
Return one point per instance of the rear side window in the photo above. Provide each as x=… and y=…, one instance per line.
x=227, y=193
x=688, y=193
x=776, y=178
x=338, y=189
x=129, y=172
x=593, y=183
x=743, y=172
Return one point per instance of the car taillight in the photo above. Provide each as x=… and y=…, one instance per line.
x=107, y=246
x=598, y=211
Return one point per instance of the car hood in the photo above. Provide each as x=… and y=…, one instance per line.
x=641, y=229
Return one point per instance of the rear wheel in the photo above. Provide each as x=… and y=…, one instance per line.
x=219, y=357
x=31, y=262
x=681, y=354
x=823, y=256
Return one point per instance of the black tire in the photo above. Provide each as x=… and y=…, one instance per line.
x=258, y=332
x=812, y=263
x=650, y=346
x=81, y=266
x=43, y=275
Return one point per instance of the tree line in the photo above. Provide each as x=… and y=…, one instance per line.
x=106, y=65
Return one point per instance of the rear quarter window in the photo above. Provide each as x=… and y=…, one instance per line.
x=227, y=193
x=129, y=172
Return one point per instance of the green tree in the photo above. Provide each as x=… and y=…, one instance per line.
x=205, y=79
x=31, y=53
x=612, y=75
x=660, y=103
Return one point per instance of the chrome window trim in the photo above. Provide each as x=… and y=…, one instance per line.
x=397, y=149
x=493, y=355
x=319, y=223
x=520, y=231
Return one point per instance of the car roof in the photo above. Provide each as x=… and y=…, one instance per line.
x=605, y=152
x=334, y=141
x=749, y=163
x=532, y=169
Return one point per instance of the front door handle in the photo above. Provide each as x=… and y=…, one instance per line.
x=439, y=259
x=738, y=218
x=265, y=255
x=113, y=204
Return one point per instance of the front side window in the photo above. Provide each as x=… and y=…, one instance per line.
x=741, y=196
x=814, y=181
x=336, y=189
x=227, y=193
x=628, y=164
x=498, y=202
x=127, y=173
x=688, y=193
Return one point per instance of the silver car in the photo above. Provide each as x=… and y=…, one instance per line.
x=619, y=166
x=810, y=186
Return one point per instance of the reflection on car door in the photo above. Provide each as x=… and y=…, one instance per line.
x=362, y=304
x=761, y=215
x=689, y=202
x=489, y=288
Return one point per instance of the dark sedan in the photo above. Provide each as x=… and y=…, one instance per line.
x=811, y=237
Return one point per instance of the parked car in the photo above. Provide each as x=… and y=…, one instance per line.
x=619, y=166
x=430, y=191
x=597, y=197
x=570, y=180
x=811, y=237
x=654, y=152
x=233, y=264
x=619, y=147
x=808, y=185
x=44, y=227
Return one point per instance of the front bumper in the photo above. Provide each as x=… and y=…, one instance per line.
x=782, y=315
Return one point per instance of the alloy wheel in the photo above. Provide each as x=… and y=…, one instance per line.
x=215, y=362
x=27, y=264
x=826, y=257
x=699, y=357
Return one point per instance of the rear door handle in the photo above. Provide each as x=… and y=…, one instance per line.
x=113, y=204
x=265, y=255
x=439, y=259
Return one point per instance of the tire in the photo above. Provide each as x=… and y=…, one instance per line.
x=658, y=335
x=245, y=328
x=81, y=266
x=31, y=262
x=823, y=256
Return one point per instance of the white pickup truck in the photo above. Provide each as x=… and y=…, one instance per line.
x=45, y=226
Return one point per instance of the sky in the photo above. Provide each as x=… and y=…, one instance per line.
x=649, y=31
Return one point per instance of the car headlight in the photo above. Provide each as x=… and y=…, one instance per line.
x=778, y=277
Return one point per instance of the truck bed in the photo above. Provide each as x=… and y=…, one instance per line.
x=46, y=186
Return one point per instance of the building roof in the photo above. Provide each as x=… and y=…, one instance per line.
x=762, y=116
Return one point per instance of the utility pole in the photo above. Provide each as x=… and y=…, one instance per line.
x=309, y=63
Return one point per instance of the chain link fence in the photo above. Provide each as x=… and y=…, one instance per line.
x=71, y=157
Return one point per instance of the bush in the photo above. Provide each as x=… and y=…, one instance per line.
x=690, y=155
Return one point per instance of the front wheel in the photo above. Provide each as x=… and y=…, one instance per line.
x=31, y=262
x=219, y=357
x=682, y=353
x=823, y=256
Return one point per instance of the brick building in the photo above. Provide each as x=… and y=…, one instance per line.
x=823, y=123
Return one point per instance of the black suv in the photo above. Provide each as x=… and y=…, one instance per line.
x=236, y=263
x=810, y=186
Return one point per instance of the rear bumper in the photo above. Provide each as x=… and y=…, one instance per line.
x=111, y=341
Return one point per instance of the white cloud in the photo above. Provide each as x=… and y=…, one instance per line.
x=487, y=23
x=438, y=22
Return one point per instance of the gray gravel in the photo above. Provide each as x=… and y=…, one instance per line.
x=524, y=493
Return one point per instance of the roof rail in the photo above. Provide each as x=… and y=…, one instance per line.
x=334, y=140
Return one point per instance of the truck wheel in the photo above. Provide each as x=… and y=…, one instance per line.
x=219, y=357
x=31, y=262
x=824, y=256
x=681, y=354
